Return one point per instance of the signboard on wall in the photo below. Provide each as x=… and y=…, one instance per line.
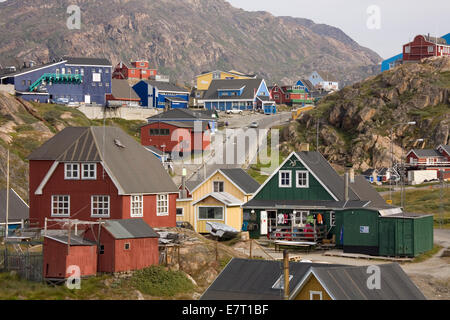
x=96, y=77
x=363, y=229
x=263, y=222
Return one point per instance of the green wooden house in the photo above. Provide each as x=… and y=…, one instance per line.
x=306, y=200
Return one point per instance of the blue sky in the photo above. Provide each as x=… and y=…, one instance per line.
x=400, y=20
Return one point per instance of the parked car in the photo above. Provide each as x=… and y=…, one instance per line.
x=73, y=104
x=254, y=124
x=60, y=101
x=234, y=111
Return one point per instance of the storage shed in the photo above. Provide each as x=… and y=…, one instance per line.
x=383, y=232
x=60, y=253
x=125, y=245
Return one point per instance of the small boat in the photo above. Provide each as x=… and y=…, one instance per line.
x=221, y=230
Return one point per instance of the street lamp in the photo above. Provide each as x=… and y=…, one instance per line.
x=403, y=172
x=392, y=150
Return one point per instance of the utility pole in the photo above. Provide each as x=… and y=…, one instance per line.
x=441, y=196
x=7, y=197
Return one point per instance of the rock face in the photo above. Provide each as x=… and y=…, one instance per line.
x=357, y=122
x=182, y=38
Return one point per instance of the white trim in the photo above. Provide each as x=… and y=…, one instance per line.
x=280, y=185
x=113, y=178
x=164, y=214
x=311, y=293
x=185, y=200
x=140, y=215
x=46, y=178
x=212, y=195
x=226, y=100
x=19, y=197
x=307, y=179
x=72, y=170
x=223, y=185
x=225, y=176
x=88, y=65
x=109, y=206
x=51, y=205
x=43, y=67
x=182, y=210
x=302, y=282
x=82, y=170
x=223, y=213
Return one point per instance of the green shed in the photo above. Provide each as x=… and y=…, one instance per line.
x=372, y=231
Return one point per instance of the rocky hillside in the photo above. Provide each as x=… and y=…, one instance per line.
x=182, y=38
x=25, y=126
x=355, y=123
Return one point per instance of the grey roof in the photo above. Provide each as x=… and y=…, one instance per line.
x=250, y=85
x=244, y=279
x=223, y=197
x=18, y=72
x=290, y=204
x=135, y=170
x=87, y=61
x=74, y=240
x=446, y=148
x=264, y=98
x=383, y=171
x=435, y=39
x=369, y=172
x=154, y=150
x=241, y=178
x=187, y=124
x=366, y=192
x=308, y=84
x=407, y=215
x=191, y=184
x=183, y=114
x=165, y=86
x=130, y=229
x=121, y=89
x=426, y=153
x=350, y=283
x=18, y=209
x=325, y=172
x=176, y=99
x=326, y=76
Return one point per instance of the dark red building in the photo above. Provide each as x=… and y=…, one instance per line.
x=179, y=130
x=134, y=70
x=430, y=159
x=88, y=173
x=424, y=46
x=125, y=245
x=59, y=253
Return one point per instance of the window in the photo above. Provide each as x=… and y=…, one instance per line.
x=89, y=171
x=180, y=212
x=279, y=284
x=137, y=206
x=93, y=84
x=100, y=70
x=407, y=49
x=142, y=64
x=210, y=213
x=24, y=83
x=315, y=295
x=63, y=70
x=69, y=71
x=276, y=97
x=218, y=186
x=71, y=171
x=287, y=96
x=57, y=71
x=300, y=218
x=430, y=49
x=302, y=179
x=102, y=249
x=100, y=206
x=159, y=132
x=82, y=71
x=100, y=84
x=144, y=72
x=127, y=246
x=106, y=70
x=216, y=75
x=284, y=179
x=162, y=205
x=29, y=82
x=107, y=84
x=61, y=205
x=332, y=219
x=77, y=71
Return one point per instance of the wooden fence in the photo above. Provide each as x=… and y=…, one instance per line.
x=28, y=265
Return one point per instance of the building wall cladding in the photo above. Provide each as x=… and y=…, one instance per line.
x=75, y=92
x=419, y=49
x=198, y=140
x=58, y=257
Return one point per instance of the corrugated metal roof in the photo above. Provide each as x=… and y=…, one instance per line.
x=427, y=153
x=74, y=240
x=134, y=169
x=350, y=283
x=130, y=229
x=249, y=85
x=366, y=192
x=183, y=114
x=298, y=204
x=165, y=86
x=87, y=61
x=18, y=209
x=223, y=197
x=121, y=89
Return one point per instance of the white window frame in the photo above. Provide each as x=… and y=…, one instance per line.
x=125, y=246
x=201, y=219
x=302, y=214
x=138, y=210
x=166, y=213
x=407, y=49
x=280, y=178
x=182, y=212
x=68, y=207
x=313, y=293
x=297, y=173
x=218, y=182
x=83, y=176
x=72, y=171
x=96, y=215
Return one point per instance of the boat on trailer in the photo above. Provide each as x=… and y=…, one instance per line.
x=221, y=230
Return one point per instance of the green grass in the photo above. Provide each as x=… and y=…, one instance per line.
x=157, y=281
x=132, y=127
x=427, y=255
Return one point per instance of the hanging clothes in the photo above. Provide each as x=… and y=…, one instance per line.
x=319, y=219
x=285, y=218
x=310, y=219
x=280, y=218
x=244, y=226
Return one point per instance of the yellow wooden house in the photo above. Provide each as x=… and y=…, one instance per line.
x=217, y=199
x=204, y=80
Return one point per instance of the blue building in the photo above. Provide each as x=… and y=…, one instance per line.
x=239, y=94
x=162, y=95
x=80, y=80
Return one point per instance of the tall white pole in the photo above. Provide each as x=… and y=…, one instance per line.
x=7, y=196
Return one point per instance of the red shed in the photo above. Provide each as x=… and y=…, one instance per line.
x=125, y=245
x=424, y=47
x=60, y=253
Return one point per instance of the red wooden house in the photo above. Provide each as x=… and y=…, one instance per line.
x=125, y=245
x=89, y=173
x=179, y=130
x=59, y=253
x=134, y=70
x=430, y=159
x=279, y=95
x=424, y=46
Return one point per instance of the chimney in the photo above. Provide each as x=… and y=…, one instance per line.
x=286, y=274
x=304, y=147
x=346, y=185
x=352, y=175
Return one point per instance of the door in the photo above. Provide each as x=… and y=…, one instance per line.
x=87, y=99
x=387, y=237
x=264, y=225
x=404, y=237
